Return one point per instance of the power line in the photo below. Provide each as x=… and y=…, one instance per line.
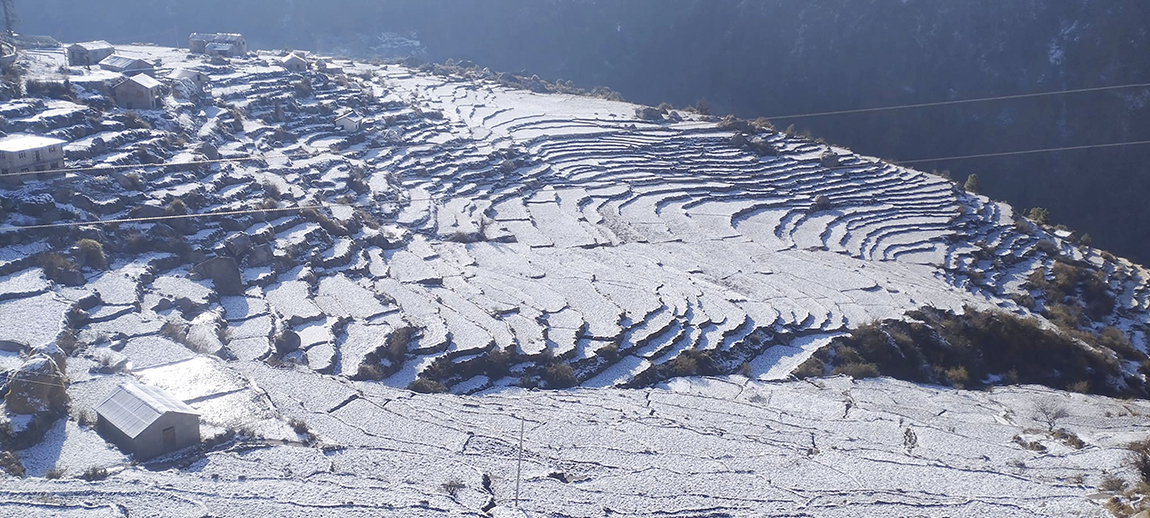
x=963, y=101
x=1027, y=152
x=144, y=166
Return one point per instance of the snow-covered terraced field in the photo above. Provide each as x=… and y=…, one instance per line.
x=546, y=226
x=483, y=238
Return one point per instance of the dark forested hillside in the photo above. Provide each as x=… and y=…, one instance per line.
x=773, y=58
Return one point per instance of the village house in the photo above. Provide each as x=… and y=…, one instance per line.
x=127, y=66
x=196, y=81
x=350, y=122
x=146, y=421
x=294, y=63
x=139, y=92
x=219, y=44
x=89, y=53
x=25, y=153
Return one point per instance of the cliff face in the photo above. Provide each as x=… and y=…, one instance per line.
x=773, y=58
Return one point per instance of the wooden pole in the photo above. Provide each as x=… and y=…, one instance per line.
x=519, y=471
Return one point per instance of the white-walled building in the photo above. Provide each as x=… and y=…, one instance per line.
x=26, y=153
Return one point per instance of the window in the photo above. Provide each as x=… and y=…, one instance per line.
x=23, y=154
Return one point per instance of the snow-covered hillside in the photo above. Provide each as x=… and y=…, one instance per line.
x=477, y=237
x=700, y=447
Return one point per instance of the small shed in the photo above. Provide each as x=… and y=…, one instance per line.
x=127, y=66
x=351, y=122
x=198, y=81
x=139, y=92
x=294, y=63
x=89, y=53
x=146, y=421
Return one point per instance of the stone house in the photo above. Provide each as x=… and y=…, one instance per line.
x=146, y=421
x=218, y=44
x=294, y=63
x=127, y=66
x=139, y=92
x=25, y=153
x=89, y=53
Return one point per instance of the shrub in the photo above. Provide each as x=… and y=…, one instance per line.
x=11, y=464
x=559, y=375
x=94, y=473
x=812, y=368
x=1039, y=215
x=452, y=487
x=858, y=370
x=1112, y=484
x=426, y=386
x=132, y=120
x=1050, y=413
x=830, y=159
x=1139, y=459
x=59, y=268
x=91, y=254
x=55, y=473
x=821, y=203
x=298, y=426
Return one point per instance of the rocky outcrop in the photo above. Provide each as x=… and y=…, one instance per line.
x=37, y=388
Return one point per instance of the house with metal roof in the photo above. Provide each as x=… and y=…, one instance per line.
x=218, y=44
x=25, y=153
x=350, y=122
x=89, y=53
x=139, y=92
x=127, y=66
x=146, y=421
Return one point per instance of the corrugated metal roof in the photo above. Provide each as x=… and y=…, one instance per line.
x=133, y=408
x=17, y=143
x=183, y=73
x=124, y=62
x=145, y=81
x=95, y=45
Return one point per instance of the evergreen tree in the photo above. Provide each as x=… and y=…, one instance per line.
x=972, y=185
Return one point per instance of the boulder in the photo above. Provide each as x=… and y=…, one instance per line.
x=54, y=352
x=287, y=342
x=224, y=273
x=37, y=387
x=239, y=244
x=261, y=255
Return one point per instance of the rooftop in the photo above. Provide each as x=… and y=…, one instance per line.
x=132, y=408
x=145, y=81
x=124, y=62
x=16, y=143
x=94, y=45
x=183, y=73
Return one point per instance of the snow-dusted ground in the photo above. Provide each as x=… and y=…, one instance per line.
x=698, y=447
x=490, y=219
x=532, y=223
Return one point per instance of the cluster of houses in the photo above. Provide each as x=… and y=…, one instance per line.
x=139, y=89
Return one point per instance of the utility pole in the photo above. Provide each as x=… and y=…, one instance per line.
x=519, y=471
x=10, y=18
